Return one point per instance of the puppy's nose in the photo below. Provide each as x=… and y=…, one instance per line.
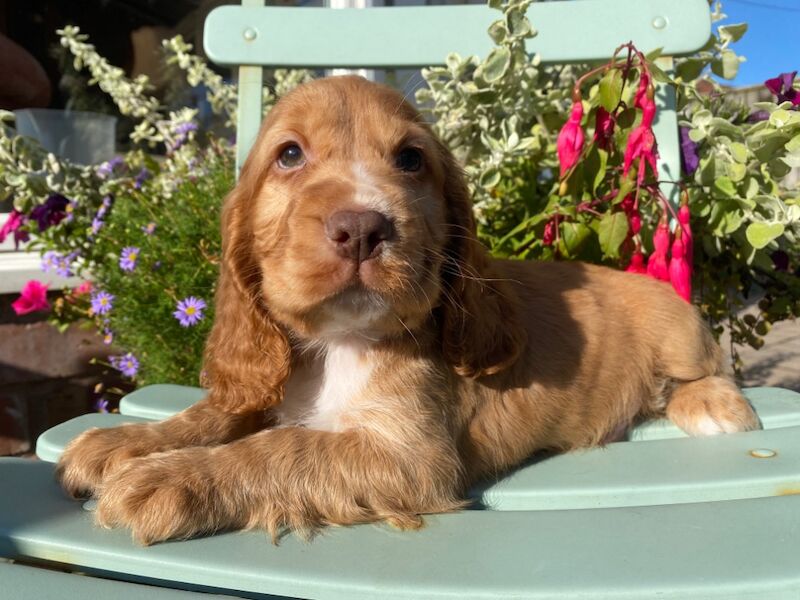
x=358, y=236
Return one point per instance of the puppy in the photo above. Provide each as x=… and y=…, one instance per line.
x=369, y=361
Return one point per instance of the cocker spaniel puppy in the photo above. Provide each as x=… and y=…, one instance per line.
x=369, y=360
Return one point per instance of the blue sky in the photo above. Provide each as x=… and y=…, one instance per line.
x=770, y=44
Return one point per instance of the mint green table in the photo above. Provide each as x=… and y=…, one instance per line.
x=660, y=516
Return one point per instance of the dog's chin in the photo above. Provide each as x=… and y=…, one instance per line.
x=355, y=311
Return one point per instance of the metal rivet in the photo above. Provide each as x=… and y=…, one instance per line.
x=660, y=22
x=763, y=453
x=250, y=34
x=90, y=505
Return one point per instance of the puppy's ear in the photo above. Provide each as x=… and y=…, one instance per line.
x=248, y=356
x=482, y=332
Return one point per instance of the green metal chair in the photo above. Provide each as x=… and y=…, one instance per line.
x=658, y=516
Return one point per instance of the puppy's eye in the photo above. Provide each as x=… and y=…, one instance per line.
x=409, y=160
x=291, y=157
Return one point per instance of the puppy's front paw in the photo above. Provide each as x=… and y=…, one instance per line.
x=90, y=457
x=170, y=495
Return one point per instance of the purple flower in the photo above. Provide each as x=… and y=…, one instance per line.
x=128, y=258
x=143, y=176
x=149, y=228
x=97, y=224
x=783, y=87
x=49, y=260
x=102, y=302
x=50, y=212
x=126, y=364
x=689, y=155
x=105, y=170
x=101, y=405
x=183, y=130
x=12, y=225
x=190, y=311
x=108, y=336
x=62, y=265
x=69, y=212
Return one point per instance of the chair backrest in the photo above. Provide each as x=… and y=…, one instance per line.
x=253, y=36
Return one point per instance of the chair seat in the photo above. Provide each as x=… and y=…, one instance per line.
x=738, y=549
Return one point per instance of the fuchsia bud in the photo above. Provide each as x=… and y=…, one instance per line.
x=680, y=270
x=570, y=139
x=549, y=235
x=684, y=218
x=635, y=222
x=637, y=262
x=603, y=128
x=657, y=265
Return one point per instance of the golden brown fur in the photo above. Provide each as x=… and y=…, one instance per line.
x=343, y=392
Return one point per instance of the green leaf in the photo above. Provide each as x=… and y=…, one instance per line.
x=498, y=31
x=613, y=231
x=725, y=218
x=736, y=171
x=739, y=152
x=490, y=178
x=691, y=68
x=496, y=64
x=610, y=89
x=761, y=234
x=595, y=167
x=725, y=186
x=733, y=32
x=573, y=237
x=727, y=65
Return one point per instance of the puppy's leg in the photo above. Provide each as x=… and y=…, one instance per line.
x=90, y=457
x=709, y=406
x=292, y=478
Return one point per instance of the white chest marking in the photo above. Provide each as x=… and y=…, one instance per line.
x=320, y=395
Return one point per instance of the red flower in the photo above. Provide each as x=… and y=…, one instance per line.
x=639, y=100
x=84, y=288
x=657, y=267
x=641, y=146
x=603, y=128
x=688, y=241
x=549, y=235
x=33, y=297
x=680, y=269
x=637, y=262
x=570, y=139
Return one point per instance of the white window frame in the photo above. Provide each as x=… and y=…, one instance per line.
x=17, y=267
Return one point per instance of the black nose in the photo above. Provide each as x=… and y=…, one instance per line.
x=358, y=236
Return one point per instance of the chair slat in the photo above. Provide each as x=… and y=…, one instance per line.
x=159, y=401
x=739, y=549
x=578, y=30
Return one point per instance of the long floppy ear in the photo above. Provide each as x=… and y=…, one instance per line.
x=482, y=333
x=247, y=356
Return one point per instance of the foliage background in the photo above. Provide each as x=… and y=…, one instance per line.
x=500, y=114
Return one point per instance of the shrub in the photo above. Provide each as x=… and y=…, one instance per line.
x=143, y=228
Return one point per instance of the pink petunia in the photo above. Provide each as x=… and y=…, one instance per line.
x=12, y=225
x=33, y=298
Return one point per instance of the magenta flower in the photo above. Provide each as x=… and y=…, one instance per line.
x=128, y=258
x=33, y=298
x=569, y=144
x=641, y=149
x=783, y=87
x=127, y=364
x=12, y=225
x=102, y=303
x=190, y=311
x=604, y=128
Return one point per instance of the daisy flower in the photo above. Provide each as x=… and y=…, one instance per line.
x=102, y=303
x=128, y=257
x=190, y=311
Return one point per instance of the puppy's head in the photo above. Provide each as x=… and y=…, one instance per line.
x=350, y=218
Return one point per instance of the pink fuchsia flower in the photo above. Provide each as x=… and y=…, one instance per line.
x=783, y=87
x=640, y=99
x=603, y=128
x=127, y=364
x=637, y=264
x=641, y=149
x=657, y=266
x=102, y=302
x=680, y=270
x=684, y=218
x=128, y=258
x=12, y=225
x=33, y=298
x=570, y=139
x=190, y=311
